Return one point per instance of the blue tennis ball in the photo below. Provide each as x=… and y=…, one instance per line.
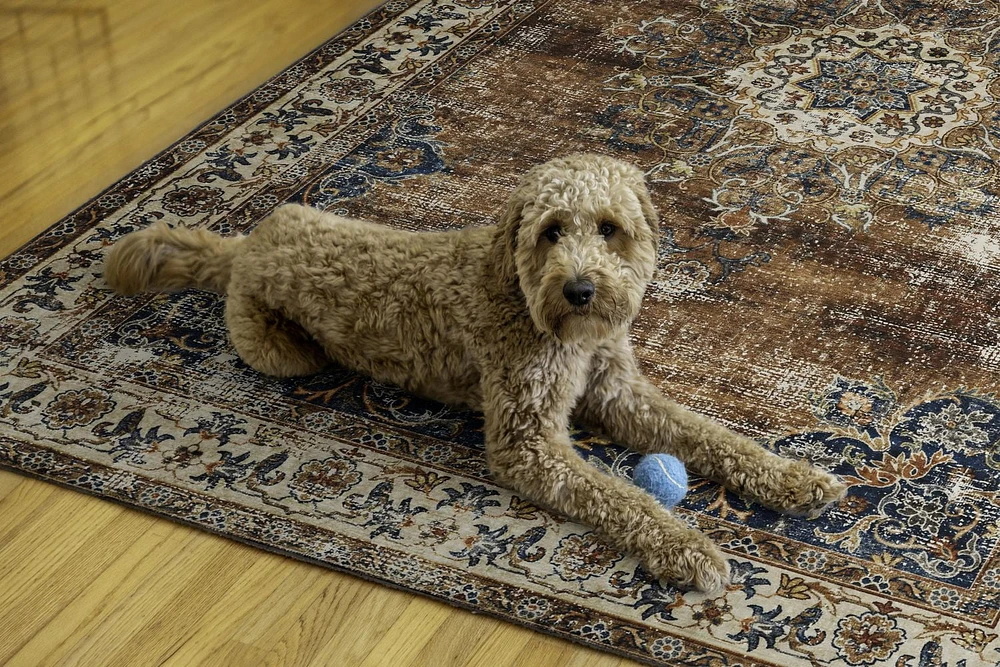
x=663, y=476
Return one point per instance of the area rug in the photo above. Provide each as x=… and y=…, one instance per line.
x=828, y=283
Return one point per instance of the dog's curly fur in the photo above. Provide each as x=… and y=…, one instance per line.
x=479, y=317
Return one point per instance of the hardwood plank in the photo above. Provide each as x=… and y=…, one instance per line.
x=183, y=611
x=279, y=613
x=100, y=592
x=22, y=610
x=340, y=626
x=8, y=482
x=140, y=621
x=501, y=648
x=544, y=651
x=21, y=502
x=406, y=638
x=28, y=536
x=456, y=641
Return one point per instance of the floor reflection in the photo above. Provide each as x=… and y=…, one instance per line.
x=66, y=51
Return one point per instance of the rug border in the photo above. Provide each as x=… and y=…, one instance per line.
x=746, y=661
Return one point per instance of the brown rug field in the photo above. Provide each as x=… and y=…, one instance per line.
x=828, y=283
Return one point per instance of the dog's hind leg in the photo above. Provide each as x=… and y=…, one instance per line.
x=629, y=409
x=270, y=342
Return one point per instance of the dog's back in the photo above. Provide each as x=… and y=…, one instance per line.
x=397, y=305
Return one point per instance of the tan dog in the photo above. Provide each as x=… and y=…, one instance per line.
x=526, y=321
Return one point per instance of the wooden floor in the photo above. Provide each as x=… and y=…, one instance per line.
x=88, y=91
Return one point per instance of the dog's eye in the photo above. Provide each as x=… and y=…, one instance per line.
x=553, y=233
x=607, y=229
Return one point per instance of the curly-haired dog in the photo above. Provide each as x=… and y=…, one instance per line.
x=527, y=321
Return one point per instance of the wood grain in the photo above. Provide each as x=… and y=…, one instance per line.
x=89, y=90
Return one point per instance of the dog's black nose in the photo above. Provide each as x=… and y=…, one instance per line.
x=579, y=292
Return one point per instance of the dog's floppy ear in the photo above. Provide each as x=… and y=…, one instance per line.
x=646, y=203
x=505, y=242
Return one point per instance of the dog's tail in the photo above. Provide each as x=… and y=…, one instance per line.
x=164, y=259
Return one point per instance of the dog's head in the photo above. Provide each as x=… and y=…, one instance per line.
x=579, y=237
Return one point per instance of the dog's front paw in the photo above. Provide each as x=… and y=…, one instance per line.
x=689, y=560
x=801, y=489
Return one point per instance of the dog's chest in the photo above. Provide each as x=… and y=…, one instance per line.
x=577, y=364
x=554, y=378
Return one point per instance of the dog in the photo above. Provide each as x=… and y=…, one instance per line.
x=526, y=321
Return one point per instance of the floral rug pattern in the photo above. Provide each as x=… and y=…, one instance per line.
x=827, y=175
